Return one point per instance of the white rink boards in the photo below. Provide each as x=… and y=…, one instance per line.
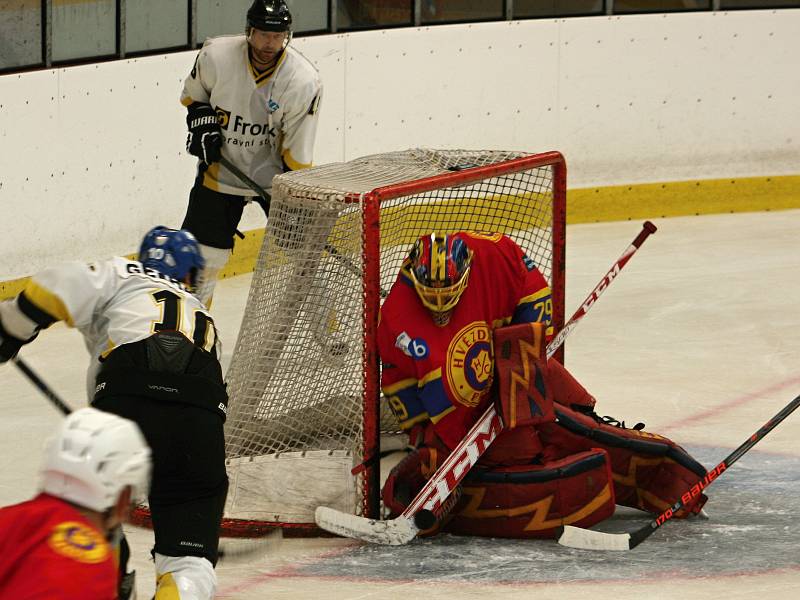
x=699, y=337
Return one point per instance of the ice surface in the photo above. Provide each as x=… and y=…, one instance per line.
x=698, y=338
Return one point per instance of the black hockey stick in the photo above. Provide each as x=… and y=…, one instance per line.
x=263, y=199
x=586, y=539
x=42, y=386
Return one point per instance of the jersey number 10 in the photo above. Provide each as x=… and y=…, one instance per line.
x=172, y=307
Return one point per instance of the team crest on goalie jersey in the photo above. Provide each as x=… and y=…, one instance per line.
x=470, y=364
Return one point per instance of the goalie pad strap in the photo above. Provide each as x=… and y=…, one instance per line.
x=611, y=436
x=615, y=437
x=539, y=475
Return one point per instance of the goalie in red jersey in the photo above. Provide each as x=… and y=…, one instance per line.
x=457, y=299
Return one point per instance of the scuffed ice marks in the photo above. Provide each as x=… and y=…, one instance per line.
x=753, y=527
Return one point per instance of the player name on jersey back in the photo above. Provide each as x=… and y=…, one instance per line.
x=127, y=268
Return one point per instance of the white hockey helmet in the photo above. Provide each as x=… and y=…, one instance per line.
x=93, y=457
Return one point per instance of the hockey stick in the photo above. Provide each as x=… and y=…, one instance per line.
x=263, y=199
x=42, y=386
x=426, y=507
x=586, y=539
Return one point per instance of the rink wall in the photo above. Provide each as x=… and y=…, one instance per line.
x=657, y=115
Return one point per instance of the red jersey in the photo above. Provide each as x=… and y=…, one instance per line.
x=50, y=550
x=445, y=373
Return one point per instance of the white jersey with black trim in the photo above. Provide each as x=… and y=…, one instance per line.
x=267, y=118
x=111, y=303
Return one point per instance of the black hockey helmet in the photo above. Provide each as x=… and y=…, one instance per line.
x=269, y=15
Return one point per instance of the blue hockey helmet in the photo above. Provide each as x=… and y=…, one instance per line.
x=173, y=252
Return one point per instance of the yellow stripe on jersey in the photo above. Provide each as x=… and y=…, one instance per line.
x=262, y=77
x=392, y=389
x=409, y=423
x=292, y=163
x=211, y=177
x=542, y=293
x=208, y=342
x=442, y=415
x=48, y=302
x=432, y=376
x=500, y=322
x=107, y=351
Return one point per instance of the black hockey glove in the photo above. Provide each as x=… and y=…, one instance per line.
x=205, y=136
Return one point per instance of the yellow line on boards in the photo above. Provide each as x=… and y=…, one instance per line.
x=600, y=204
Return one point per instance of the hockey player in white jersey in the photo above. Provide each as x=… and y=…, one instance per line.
x=154, y=360
x=254, y=99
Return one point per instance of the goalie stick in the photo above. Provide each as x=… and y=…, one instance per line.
x=586, y=539
x=426, y=507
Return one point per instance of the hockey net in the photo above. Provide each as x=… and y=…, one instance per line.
x=304, y=412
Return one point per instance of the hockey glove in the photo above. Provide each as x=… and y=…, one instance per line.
x=205, y=135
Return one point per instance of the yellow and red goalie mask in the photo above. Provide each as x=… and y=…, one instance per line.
x=439, y=267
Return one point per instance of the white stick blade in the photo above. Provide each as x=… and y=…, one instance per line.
x=586, y=539
x=394, y=532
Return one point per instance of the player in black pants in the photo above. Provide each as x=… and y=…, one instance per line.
x=155, y=360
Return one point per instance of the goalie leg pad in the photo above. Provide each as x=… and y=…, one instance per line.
x=520, y=365
x=533, y=501
x=566, y=390
x=651, y=472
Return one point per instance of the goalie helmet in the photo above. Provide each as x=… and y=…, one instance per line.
x=439, y=267
x=173, y=252
x=269, y=15
x=93, y=457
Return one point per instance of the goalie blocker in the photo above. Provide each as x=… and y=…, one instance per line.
x=555, y=463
